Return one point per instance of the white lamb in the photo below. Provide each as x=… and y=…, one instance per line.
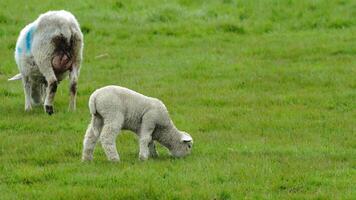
x=114, y=108
x=46, y=50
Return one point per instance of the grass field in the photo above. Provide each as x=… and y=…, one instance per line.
x=266, y=88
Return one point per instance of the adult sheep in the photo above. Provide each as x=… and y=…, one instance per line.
x=46, y=51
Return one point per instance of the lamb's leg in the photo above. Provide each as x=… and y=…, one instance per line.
x=145, y=139
x=107, y=139
x=27, y=91
x=152, y=149
x=145, y=135
x=73, y=77
x=89, y=143
x=91, y=137
x=108, y=136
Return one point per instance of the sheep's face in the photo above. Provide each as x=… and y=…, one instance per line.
x=184, y=146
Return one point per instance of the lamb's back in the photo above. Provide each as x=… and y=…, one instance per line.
x=119, y=99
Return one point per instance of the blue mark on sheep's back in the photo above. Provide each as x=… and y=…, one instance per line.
x=19, y=50
x=29, y=39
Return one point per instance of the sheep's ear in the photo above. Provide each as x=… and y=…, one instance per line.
x=186, y=138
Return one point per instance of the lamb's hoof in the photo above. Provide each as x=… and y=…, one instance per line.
x=49, y=109
x=143, y=157
x=87, y=159
x=114, y=160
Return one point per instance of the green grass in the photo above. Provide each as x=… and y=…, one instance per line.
x=266, y=88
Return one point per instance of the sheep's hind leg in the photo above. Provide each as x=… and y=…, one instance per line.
x=27, y=91
x=73, y=76
x=50, y=93
x=91, y=137
x=108, y=136
x=51, y=89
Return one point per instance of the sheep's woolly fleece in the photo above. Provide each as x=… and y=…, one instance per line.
x=114, y=108
x=46, y=51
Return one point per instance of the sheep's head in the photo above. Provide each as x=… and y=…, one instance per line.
x=184, y=146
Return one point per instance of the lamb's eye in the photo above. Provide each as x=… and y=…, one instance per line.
x=189, y=145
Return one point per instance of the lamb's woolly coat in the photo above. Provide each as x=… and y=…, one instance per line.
x=114, y=108
x=36, y=52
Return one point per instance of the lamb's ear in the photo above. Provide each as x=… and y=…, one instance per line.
x=186, y=138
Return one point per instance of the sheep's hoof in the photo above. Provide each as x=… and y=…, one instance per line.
x=49, y=109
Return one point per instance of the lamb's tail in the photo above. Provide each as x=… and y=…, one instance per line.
x=97, y=120
x=16, y=77
x=92, y=106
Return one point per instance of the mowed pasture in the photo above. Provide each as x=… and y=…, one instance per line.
x=266, y=88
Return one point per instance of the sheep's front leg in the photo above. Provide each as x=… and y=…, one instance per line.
x=145, y=137
x=144, y=150
x=27, y=91
x=73, y=76
x=152, y=149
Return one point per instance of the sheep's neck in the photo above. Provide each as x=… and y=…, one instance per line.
x=167, y=136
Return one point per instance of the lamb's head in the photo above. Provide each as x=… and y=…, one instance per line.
x=182, y=147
